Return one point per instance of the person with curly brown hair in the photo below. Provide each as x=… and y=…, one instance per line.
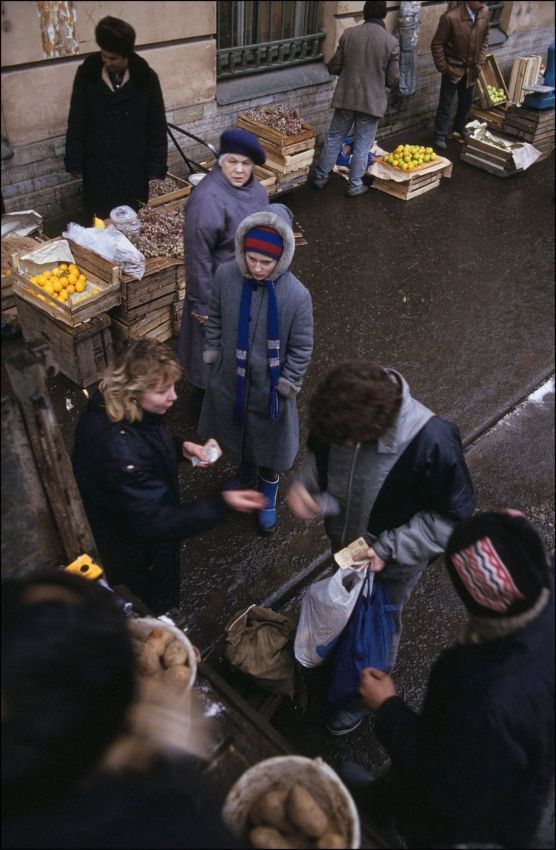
x=382, y=466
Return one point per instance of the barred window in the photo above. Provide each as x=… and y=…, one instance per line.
x=258, y=35
x=494, y=9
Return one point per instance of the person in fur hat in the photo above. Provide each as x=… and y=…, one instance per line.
x=259, y=341
x=474, y=766
x=116, y=137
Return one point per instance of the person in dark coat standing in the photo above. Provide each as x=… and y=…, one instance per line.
x=259, y=343
x=125, y=464
x=368, y=62
x=116, y=138
x=459, y=48
x=475, y=765
x=224, y=197
x=392, y=473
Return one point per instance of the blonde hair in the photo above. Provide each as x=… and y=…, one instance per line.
x=145, y=366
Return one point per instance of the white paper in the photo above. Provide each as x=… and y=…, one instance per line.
x=525, y=155
x=49, y=254
x=21, y=223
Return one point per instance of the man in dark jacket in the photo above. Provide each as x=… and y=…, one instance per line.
x=116, y=138
x=459, y=49
x=367, y=61
x=396, y=476
x=474, y=766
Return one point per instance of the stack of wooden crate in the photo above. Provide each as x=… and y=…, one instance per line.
x=79, y=334
x=147, y=304
x=535, y=126
x=405, y=185
x=288, y=157
x=525, y=72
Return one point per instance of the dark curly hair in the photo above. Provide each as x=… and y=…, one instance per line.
x=374, y=9
x=357, y=401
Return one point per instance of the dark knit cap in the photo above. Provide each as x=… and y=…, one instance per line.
x=244, y=143
x=115, y=36
x=497, y=563
x=264, y=240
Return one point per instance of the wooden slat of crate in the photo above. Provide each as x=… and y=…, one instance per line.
x=483, y=163
x=280, y=154
x=182, y=192
x=494, y=118
x=68, y=313
x=490, y=75
x=142, y=310
x=279, y=139
x=408, y=189
x=286, y=182
x=83, y=353
x=158, y=327
x=289, y=164
x=161, y=282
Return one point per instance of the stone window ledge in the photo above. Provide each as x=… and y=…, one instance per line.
x=253, y=86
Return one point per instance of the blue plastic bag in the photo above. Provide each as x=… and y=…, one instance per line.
x=344, y=157
x=365, y=642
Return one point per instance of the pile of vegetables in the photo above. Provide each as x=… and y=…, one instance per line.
x=162, y=187
x=161, y=232
x=161, y=657
x=289, y=816
x=285, y=121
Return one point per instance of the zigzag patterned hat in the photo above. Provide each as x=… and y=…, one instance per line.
x=497, y=563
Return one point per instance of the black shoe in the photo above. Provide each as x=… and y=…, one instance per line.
x=440, y=143
x=355, y=192
x=346, y=720
x=318, y=185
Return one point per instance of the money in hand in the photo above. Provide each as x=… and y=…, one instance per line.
x=212, y=452
x=345, y=557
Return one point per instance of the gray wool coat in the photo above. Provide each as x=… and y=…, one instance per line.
x=368, y=62
x=260, y=440
x=212, y=214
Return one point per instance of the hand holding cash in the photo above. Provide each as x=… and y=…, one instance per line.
x=353, y=555
x=202, y=455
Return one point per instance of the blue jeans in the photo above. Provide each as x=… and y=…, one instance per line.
x=448, y=90
x=399, y=590
x=363, y=137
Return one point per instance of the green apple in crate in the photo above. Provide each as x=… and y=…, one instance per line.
x=496, y=95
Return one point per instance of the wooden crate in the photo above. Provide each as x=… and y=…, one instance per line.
x=493, y=118
x=178, y=194
x=490, y=75
x=408, y=189
x=291, y=163
x=13, y=245
x=78, y=309
x=535, y=126
x=278, y=139
x=156, y=289
x=158, y=324
x=82, y=352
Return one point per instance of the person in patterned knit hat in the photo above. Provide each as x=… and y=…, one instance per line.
x=475, y=765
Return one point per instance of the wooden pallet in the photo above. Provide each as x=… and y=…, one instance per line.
x=83, y=352
x=409, y=189
x=278, y=139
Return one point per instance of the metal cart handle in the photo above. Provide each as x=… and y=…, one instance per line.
x=190, y=163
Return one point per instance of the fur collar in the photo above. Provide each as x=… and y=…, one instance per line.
x=140, y=72
x=484, y=629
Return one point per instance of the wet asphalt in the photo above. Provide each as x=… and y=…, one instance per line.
x=454, y=289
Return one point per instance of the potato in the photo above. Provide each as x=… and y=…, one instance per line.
x=270, y=809
x=332, y=841
x=137, y=630
x=268, y=838
x=148, y=662
x=305, y=812
x=159, y=639
x=177, y=677
x=175, y=653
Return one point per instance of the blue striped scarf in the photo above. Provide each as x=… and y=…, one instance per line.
x=242, y=350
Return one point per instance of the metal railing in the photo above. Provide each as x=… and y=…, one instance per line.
x=262, y=57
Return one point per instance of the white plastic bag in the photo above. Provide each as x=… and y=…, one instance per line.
x=325, y=610
x=110, y=244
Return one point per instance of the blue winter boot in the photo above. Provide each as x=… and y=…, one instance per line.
x=247, y=478
x=267, y=516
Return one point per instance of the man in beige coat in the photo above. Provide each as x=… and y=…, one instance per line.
x=367, y=61
x=459, y=49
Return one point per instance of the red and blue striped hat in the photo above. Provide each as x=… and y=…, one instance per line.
x=264, y=240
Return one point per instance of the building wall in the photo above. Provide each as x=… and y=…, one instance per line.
x=42, y=50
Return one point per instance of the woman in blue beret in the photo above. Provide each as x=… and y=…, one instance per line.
x=227, y=195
